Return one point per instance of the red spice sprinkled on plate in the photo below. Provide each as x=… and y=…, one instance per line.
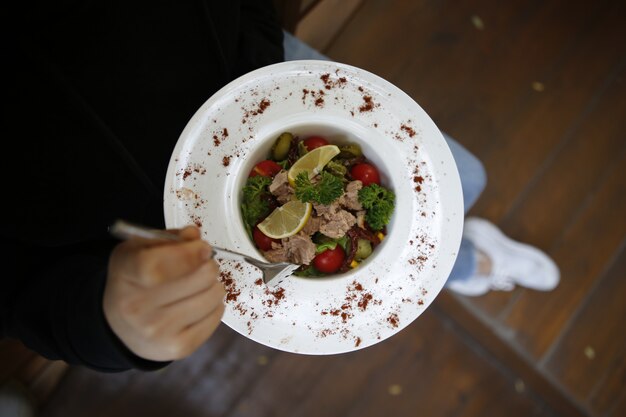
x=357, y=342
x=319, y=102
x=278, y=295
x=241, y=309
x=226, y=161
x=191, y=169
x=326, y=79
x=393, y=319
x=420, y=302
x=330, y=84
x=263, y=105
x=232, y=292
x=408, y=129
x=364, y=301
x=326, y=332
x=217, y=140
x=368, y=106
x=196, y=220
x=259, y=281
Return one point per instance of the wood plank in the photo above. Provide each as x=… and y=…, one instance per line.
x=610, y=390
x=431, y=375
x=344, y=378
x=574, y=171
x=286, y=382
x=555, y=113
x=230, y=378
x=620, y=408
x=325, y=21
x=376, y=38
x=86, y=392
x=553, y=118
x=538, y=318
x=500, y=348
x=473, y=101
x=595, y=343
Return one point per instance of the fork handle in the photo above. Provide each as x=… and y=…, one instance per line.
x=126, y=230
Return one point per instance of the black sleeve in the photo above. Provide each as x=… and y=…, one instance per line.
x=97, y=99
x=53, y=305
x=260, y=37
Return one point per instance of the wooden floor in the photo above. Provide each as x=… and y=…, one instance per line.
x=536, y=89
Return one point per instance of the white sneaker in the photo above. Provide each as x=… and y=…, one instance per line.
x=511, y=262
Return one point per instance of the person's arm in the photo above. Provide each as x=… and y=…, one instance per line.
x=54, y=303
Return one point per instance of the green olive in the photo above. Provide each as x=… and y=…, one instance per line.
x=281, y=147
x=351, y=150
x=363, y=250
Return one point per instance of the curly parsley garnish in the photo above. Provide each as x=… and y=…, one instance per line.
x=379, y=203
x=325, y=191
x=255, y=204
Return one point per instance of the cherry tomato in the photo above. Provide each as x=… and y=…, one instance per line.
x=314, y=142
x=262, y=241
x=330, y=260
x=265, y=168
x=366, y=173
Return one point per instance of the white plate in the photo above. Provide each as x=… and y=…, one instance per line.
x=235, y=129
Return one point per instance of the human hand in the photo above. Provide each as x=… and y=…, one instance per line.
x=163, y=299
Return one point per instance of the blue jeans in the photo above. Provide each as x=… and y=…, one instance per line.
x=471, y=170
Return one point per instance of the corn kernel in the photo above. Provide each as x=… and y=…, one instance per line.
x=354, y=264
x=380, y=236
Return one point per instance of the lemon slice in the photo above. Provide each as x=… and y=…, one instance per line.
x=313, y=162
x=286, y=220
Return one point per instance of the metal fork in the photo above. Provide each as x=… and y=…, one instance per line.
x=271, y=271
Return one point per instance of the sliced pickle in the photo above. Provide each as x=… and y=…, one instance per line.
x=281, y=147
x=351, y=150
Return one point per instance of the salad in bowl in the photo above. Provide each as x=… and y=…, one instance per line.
x=316, y=204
